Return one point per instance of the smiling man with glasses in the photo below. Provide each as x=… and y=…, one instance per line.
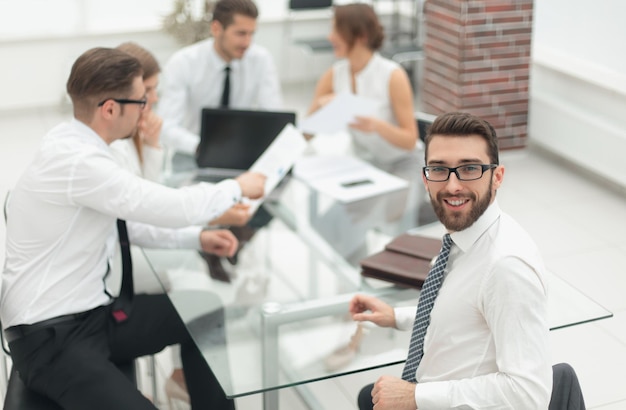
x=480, y=333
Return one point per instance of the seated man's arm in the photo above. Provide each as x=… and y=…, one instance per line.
x=150, y=236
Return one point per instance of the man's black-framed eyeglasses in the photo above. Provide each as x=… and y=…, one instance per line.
x=142, y=102
x=467, y=172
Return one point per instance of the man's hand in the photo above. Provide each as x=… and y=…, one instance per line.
x=394, y=394
x=363, y=307
x=237, y=215
x=252, y=184
x=220, y=242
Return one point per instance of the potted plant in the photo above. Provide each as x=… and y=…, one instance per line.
x=190, y=21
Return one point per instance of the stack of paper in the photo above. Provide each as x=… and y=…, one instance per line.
x=338, y=114
x=346, y=178
x=278, y=159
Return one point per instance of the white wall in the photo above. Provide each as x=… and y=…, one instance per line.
x=578, y=83
x=39, y=41
x=578, y=75
x=34, y=69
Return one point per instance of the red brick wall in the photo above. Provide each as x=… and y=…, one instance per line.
x=478, y=60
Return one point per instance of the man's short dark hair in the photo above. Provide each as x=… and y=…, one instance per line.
x=225, y=10
x=464, y=124
x=98, y=74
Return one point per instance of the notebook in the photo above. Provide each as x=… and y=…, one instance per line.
x=405, y=261
x=232, y=140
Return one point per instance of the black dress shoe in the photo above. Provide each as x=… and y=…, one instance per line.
x=216, y=270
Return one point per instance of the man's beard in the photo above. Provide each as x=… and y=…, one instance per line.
x=457, y=221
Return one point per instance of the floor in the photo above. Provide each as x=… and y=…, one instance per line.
x=577, y=221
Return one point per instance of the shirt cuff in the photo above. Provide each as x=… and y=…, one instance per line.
x=433, y=395
x=230, y=187
x=189, y=237
x=405, y=317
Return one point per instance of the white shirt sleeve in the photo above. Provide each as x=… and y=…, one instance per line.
x=405, y=317
x=149, y=236
x=514, y=306
x=101, y=184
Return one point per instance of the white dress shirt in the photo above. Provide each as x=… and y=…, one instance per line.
x=125, y=152
x=151, y=168
x=193, y=79
x=61, y=223
x=487, y=343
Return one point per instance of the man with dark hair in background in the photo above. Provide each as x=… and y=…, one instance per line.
x=226, y=71
x=193, y=78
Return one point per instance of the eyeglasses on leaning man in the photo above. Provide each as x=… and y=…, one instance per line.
x=467, y=172
x=141, y=102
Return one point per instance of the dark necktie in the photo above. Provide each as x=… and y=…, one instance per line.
x=123, y=304
x=424, y=307
x=226, y=90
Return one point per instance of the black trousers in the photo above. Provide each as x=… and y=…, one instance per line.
x=74, y=363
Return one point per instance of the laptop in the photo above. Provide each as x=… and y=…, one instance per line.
x=232, y=140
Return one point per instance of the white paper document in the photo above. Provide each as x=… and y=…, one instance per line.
x=346, y=178
x=278, y=159
x=337, y=114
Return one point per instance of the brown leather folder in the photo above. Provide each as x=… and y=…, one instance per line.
x=405, y=261
x=414, y=245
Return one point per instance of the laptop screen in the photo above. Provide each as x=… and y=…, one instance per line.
x=234, y=139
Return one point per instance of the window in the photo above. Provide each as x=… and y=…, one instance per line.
x=24, y=19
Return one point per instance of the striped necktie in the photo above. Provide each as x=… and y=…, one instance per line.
x=424, y=307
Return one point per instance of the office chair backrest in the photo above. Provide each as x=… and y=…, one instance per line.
x=309, y=4
x=423, y=122
x=566, y=391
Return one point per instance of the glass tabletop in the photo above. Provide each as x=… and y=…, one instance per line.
x=283, y=319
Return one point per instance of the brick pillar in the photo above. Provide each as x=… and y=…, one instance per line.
x=478, y=61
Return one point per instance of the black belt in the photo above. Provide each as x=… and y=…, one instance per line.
x=17, y=332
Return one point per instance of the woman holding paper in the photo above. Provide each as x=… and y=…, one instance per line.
x=387, y=139
x=391, y=133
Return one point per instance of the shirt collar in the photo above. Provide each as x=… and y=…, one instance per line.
x=466, y=238
x=89, y=133
x=218, y=61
